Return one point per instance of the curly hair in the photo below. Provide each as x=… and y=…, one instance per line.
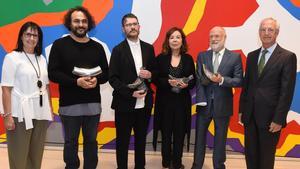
x=68, y=19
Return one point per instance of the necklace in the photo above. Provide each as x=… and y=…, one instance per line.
x=39, y=83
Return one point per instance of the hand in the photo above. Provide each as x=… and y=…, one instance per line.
x=87, y=82
x=93, y=82
x=274, y=127
x=173, y=82
x=182, y=85
x=9, y=123
x=217, y=78
x=139, y=94
x=145, y=74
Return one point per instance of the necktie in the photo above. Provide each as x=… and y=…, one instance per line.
x=261, y=63
x=216, y=62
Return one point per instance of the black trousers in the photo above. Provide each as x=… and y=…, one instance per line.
x=173, y=127
x=72, y=125
x=260, y=146
x=137, y=120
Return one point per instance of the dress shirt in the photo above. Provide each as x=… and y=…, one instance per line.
x=136, y=52
x=268, y=54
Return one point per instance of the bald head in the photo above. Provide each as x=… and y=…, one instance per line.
x=217, y=37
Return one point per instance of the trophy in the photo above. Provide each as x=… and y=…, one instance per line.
x=185, y=80
x=207, y=73
x=87, y=72
x=138, y=84
x=206, y=76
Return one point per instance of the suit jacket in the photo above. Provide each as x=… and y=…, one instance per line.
x=268, y=97
x=122, y=72
x=231, y=69
x=165, y=96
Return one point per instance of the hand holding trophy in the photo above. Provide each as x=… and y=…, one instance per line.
x=87, y=79
x=180, y=83
x=213, y=77
x=139, y=83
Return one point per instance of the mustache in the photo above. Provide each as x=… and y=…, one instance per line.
x=133, y=30
x=80, y=28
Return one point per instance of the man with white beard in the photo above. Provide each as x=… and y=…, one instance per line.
x=218, y=70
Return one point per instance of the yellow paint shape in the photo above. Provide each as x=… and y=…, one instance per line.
x=2, y=138
x=290, y=142
x=195, y=16
x=106, y=136
x=230, y=134
x=55, y=105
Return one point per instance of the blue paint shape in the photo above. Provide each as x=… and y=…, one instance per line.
x=291, y=8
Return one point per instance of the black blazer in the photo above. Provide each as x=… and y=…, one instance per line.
x=268, y=97
x=164, y=95
x=122, y=72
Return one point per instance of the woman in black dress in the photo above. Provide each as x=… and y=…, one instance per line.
x=175, y=78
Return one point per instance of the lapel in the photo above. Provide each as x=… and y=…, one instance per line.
x=129, y=56
x=255, y=63
x=208, y=58
x=273, y=58
x=224, y=60
x=144, y=54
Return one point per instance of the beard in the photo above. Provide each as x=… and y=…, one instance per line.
x=78, y=33
x=135, y=35
x=217, y=46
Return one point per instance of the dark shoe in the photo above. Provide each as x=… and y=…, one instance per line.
x=182, y=167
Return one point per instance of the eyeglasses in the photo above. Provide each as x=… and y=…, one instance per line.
x=29, y=35
x=131, y=24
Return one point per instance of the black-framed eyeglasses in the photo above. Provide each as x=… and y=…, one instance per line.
x=131, y=24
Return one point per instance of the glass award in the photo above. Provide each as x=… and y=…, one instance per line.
x=185, y=80
x=87, y=72
x=138, y=84
x=207, y=73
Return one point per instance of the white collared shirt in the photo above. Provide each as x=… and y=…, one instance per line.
x=135, y=48
x=221, y=52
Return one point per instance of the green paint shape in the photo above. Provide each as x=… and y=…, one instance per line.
x=15, y=10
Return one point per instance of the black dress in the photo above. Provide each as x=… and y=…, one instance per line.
x=172, y=108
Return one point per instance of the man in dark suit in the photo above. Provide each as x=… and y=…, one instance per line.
x=218, y=70
x=266, y=96
x=131, y=59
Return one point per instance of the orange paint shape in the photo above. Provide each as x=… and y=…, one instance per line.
x=296, y=3
x=9, y=35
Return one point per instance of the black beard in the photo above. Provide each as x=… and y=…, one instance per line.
x=79, y=35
